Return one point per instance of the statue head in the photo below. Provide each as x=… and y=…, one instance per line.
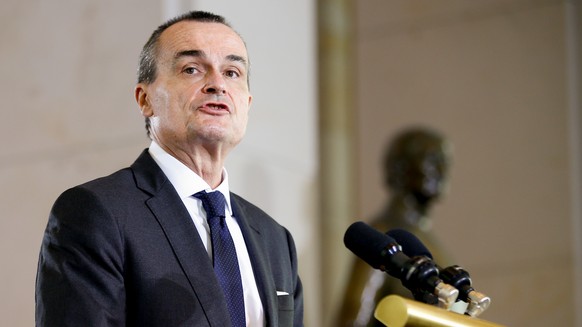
x=416, y=162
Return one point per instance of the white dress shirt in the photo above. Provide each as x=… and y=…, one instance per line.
x=187, y=183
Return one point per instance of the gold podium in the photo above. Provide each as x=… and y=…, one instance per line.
x=396, y=311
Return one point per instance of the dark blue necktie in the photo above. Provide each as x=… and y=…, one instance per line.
x=224, y=253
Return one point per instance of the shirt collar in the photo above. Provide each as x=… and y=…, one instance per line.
x=185, y=181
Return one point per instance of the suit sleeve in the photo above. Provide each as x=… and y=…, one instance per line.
x=80, y=270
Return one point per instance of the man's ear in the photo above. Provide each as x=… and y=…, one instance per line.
x=142, y=99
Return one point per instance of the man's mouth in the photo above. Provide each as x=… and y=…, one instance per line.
x=215, y=108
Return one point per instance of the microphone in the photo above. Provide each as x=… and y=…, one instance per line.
x=411, y=245
x=453, y=275
x=418, y=273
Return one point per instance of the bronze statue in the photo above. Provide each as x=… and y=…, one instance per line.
x=415, y=165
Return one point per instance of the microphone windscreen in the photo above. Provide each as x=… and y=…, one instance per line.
x=367, y=243
x=411, y=245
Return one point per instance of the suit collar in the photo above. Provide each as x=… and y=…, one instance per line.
x=181, y=233
x=177, y=225
x=148, y=175
x=185, y=180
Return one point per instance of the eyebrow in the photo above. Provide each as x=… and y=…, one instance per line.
x=202, y=54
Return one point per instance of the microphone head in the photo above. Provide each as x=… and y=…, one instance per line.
x=368, y=244
x=411, y=245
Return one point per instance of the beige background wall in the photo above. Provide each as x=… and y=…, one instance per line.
x=492, y=76
x=67, y=71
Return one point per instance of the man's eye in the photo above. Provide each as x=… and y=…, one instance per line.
x=190, y=70
x=232, y=74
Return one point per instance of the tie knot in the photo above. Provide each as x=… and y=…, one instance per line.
x=212, y=202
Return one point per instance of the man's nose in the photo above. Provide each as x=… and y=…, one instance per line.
x=215, y=84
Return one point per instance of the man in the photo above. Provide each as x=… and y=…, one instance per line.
x=135, y=248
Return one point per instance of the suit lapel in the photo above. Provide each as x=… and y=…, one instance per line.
x=175, y=221
x=252, y=234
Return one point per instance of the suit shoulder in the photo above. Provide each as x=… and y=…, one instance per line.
x=125, y=179
x=113, y=188
x=117, y=179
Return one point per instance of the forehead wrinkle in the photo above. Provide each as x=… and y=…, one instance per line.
x=202, y=54
x=189, y=53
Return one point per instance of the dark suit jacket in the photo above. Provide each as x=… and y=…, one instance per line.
x=122, y=250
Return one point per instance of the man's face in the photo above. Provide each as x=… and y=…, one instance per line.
x=200, y=95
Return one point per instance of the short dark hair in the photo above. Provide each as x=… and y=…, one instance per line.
x=147, y=69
